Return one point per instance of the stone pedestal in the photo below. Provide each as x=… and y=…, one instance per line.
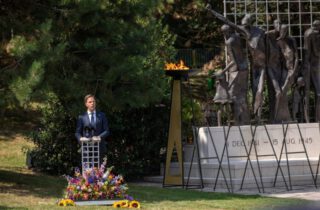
x=299, y=173
x=309, y=131
x=298, y=165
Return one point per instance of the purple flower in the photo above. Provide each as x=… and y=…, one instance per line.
x=74, y=181
x=97, y=183
x=128, y=197
x=90, y=179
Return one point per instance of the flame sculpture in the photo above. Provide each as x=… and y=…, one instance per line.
x=173, y=66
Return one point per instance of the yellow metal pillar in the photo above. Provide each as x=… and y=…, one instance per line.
x=174, y=137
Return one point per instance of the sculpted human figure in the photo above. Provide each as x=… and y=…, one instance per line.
x=298, y=99
x=274, y=69
x=311, y=66
x=289, y=50
x=237, y=70
x=285, y=72
x=222, y=97
x=255, y=38
x=275, y=32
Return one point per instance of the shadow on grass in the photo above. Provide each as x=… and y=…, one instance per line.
x=19, y=183
x=157, y=194
x=18, y=122
x=35, y=184
x=12, y=208
x=11, y=129
x=211, y=200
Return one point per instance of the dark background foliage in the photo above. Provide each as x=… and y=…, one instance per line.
x=55, y=52
x=133, y=146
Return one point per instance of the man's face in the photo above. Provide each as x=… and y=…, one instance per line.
x=91, y=104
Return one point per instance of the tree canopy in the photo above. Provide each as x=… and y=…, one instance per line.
x=115, y=49
x=56, y=51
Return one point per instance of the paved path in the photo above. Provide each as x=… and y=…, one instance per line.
x=308, y=193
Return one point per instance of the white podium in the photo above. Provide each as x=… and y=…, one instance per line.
x=90, y=153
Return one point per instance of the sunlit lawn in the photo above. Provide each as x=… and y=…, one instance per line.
x=21, y=188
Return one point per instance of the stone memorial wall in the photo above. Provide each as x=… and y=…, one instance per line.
x=240, y=137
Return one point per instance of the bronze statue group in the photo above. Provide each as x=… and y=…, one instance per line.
x=272, y=58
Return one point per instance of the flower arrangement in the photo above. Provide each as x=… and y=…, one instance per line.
x=96, y=184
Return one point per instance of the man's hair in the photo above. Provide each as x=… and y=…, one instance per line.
x=88, y=96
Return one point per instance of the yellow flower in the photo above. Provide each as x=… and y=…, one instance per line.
x=121, y=204
x=70, y=202
x=117, y=204
x=66, y=202
x=61, y=203
x=134, y=204
x=124, y=203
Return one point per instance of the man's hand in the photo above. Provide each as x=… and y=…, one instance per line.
x=96, y=138
x=84, y=139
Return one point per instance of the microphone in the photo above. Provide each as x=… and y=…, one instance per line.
x=92, y=129
x=87, y=131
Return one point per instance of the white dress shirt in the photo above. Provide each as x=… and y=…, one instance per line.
x=94, y=116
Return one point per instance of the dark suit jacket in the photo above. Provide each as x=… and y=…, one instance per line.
x=100, y=126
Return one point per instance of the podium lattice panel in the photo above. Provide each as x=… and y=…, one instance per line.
x=297, y=14
x=90, y=155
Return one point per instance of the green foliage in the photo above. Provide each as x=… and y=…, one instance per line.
x=35, y=55
x=133, y=147
x=19, y=46
x=137, y=136
x=113, y=49
x=191, y=23
x=23, y=87
x=56, y=149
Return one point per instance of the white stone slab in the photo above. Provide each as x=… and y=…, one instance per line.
x=238, y=146
x=300, y=173
x=95, y=203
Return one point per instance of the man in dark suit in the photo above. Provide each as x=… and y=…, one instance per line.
x=93, y=124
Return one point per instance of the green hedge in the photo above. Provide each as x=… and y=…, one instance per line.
x=133, y=147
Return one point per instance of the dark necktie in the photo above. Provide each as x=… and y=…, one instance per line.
x=91, y=118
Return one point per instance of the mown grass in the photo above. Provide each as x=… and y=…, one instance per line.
x=21, y=188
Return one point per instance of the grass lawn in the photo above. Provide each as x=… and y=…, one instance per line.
x=21, y=188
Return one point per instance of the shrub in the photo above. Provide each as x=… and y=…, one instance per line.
x=137, y=136
x=133, y=147
x=56, y=149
